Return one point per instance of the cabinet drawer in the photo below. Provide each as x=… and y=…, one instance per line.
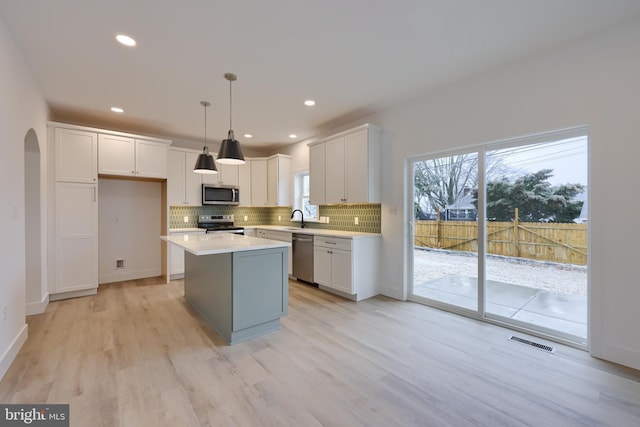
x=282, y=236
x=333, y=242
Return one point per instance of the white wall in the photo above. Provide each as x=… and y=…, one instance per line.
x=595, y=82
x=129, y=214
x=22, y=107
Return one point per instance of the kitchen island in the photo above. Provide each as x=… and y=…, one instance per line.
x=239, y=284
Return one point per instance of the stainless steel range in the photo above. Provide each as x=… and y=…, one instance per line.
x=219, y=224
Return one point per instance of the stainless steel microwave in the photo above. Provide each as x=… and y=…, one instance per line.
x=220, y=195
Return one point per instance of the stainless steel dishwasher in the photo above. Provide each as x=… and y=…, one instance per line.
x=303, y=257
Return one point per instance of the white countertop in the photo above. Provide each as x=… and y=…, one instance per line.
x=187, y=230
x=318, y=231
x=221, y=243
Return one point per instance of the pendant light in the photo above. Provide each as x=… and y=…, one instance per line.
x=230, y=151
x=205, y=163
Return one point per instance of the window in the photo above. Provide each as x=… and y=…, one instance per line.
x=301, y=194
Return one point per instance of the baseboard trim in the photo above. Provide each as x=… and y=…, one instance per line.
x=10, y=354
x=38, y=307
x=392, y=293
x=129, y=275
x=73, y=294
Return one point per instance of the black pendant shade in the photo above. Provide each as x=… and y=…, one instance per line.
x=230, y=151
x=205, y=162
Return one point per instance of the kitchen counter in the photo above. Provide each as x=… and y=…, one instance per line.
x=220, y=243
x=238, y=284
x=319, y=232
x=187, y=230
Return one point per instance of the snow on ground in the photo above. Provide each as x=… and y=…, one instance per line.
x=562, y=279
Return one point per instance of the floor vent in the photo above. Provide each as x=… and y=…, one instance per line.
x=539, y=346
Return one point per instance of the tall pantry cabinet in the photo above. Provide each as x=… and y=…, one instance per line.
x=74, y=259
x=80, y=156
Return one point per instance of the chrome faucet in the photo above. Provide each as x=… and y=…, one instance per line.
x=301, y=215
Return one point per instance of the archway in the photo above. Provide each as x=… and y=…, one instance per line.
x=33, y=228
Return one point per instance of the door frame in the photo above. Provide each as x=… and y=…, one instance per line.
x=480, y=314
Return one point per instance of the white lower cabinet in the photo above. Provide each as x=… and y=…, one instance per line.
x=176, y=254
x=281, y=236
x=349, y=266
x=76, y=237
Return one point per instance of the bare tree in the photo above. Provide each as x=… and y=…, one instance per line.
x=442, y=181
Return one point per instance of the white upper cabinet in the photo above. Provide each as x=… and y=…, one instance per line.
x=345, y=168
x=151, y=159
x=317, y=170
x=244, y=183
x=119, y=155
x=183, y=184
x=116, y=155
x=278, y=180
x=227, y=175
x=258, y=182
x=335, y=174
x=270, y=181
x=76, y=155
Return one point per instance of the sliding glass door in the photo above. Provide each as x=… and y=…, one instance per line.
x=445, y=258
x=513, y=214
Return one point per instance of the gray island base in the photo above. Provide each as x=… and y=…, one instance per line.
x=240, y=294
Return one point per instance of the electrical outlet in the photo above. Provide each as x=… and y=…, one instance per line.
x=246, y=218
x=355, y=220
x=327, y=220
x=279, y=217
x=119, y=263
x=186, y=219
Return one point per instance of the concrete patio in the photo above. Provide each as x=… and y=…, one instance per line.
x=564, y=313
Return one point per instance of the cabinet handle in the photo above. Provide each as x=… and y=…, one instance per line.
x=331, y=243
x=133, y=172
x=94, y=194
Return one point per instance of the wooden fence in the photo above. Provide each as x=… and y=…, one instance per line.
x=563, y=243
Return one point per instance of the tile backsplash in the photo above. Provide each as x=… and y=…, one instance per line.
x=341, y=217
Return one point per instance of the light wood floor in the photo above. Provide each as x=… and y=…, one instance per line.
x=137, y=355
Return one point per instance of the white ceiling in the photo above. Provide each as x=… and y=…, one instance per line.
x=354, y=57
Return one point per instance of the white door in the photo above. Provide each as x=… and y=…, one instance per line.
x=76, y=237
x=341, y=270
x=322, y=266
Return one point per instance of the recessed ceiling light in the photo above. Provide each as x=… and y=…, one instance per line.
x=248, y=135
x=117, y=110
x=293, y=136
x=125, y=40
x=309, y=102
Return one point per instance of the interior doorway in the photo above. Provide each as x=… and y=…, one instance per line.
x=33, y=225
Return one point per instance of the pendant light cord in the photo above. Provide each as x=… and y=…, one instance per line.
x=230, y=105
x=205, y=104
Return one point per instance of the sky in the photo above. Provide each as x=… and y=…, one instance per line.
x=567, y=158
